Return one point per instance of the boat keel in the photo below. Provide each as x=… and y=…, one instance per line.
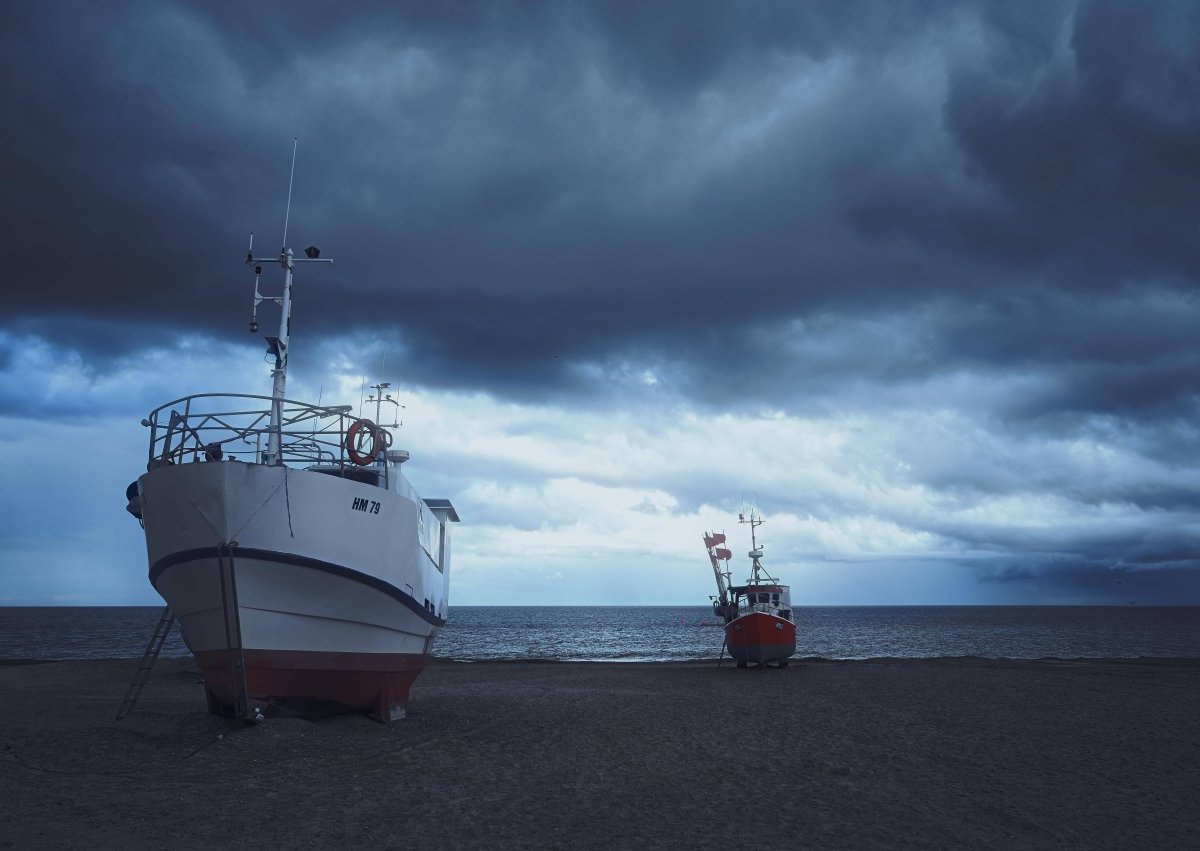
x=312, y=683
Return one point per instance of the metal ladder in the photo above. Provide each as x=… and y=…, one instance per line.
x=142, y=675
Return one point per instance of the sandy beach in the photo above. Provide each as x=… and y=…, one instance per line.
x=887, y=753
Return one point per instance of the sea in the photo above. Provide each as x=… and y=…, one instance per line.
x=680, y=633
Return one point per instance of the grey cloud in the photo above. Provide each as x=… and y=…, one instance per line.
x=536, y=164
x=986, y=208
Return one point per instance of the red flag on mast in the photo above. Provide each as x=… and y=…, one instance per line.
x=724, y=554
x=712, y=540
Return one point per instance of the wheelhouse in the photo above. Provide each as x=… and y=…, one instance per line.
x=769, y=599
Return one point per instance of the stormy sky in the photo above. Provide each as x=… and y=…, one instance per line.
x=919, y=279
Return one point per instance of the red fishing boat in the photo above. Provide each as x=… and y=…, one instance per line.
x=758, y=614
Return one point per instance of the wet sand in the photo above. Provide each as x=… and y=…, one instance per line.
x=893, y=753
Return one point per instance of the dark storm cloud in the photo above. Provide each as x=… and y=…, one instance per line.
x=1094, y=155
x=518, y=188
x=1157, y=584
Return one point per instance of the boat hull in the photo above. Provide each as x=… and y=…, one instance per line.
x=287, y=593
x=760, y=637
x=309, y=681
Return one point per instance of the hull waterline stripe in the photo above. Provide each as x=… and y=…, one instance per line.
x=184, y=556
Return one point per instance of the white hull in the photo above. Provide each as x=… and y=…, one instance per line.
x=283, y=605
x=280, y=569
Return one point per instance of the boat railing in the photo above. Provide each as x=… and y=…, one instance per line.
x=237, y=426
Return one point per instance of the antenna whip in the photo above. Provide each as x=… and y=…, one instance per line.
x=291, y=177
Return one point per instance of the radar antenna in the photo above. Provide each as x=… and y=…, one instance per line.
x=755, y=520
x=379, y=397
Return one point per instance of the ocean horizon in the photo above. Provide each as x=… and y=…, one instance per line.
x=681, y=633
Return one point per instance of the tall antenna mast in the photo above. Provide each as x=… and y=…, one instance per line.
x=278, y=346
x=287, y=213
x=378, y=396
x=756, y=552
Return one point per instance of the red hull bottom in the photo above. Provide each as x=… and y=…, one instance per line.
x=760, y=637
x=314, y=682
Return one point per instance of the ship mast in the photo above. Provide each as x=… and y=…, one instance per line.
x=278, y=346
x=756, y=552
x=379, y=397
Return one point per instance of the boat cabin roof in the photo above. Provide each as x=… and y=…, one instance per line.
x=759, y=589
x=443, y=505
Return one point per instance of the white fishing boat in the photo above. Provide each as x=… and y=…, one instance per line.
x=304, y=569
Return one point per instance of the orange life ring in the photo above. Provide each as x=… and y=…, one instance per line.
x=352, y=437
